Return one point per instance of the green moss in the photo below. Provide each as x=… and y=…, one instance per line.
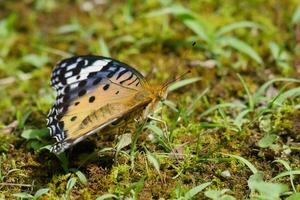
x=35, y=35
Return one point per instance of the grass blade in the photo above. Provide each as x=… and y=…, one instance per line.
x=197, y=27
x=182, y=83
x=296, y=15
x=243, y=160
x=176, y=10
x=23, y=195
x=41, y=192
x=260, y=92
x=70, y=184
x=222, y=105
x=242, y=47
x=287, y=173
x=107, y=196
x=103, y=47
x=292, y=93
x=192, y=192
x=250, y=97
x=153, y=160
x=82, y=178
x=239, y=119
x=288, y=167
x=236, y=25
x=267, y=140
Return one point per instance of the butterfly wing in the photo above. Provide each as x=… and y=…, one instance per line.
x=92, y=92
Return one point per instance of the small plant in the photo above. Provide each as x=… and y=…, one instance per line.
x=131, y=192
x=218, y=195
x=268, y=190
x=216, y=39
x=180, y=195
x=70, y=184
x=37, y=195
x=36, y=138
x=253, y=104
x=281, y=58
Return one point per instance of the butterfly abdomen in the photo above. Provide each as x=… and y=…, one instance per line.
x=104, y=112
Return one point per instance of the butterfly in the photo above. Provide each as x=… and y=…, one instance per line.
x=94, y=92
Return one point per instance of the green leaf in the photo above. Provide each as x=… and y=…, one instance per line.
x=69, y=28
x=188, y=17
x=246, y=162
x=104, y=48
x=296, y=15
x=295, y=196
x=159, y=135
x=23, y=195
x=82, y=178
x=70, y=184
x=242, y=47
x=213, y=194
x=170, y=104
x=34, y=144
x=106, y=196
x=221, y=105
x=211, y=125
x=284, y=163
x=182, y=83
x=287, y=173
x=197, y=27
x=262, y=89
x=238, y=121
x=135, y=188
x=250, y=97
x=192, y=192
x=124, y=141
x=176, y=10
x=292, y=93
x=288, y=167
x=266, y=190
x=275, y=50
x=153, y=160
x=22, y=118
x=218, y=195
x=267, y=140
x=236, y=25
x=156, y=130
x=41, y=192
x=138, y=186
x=227, y=197
x=35, y=133
x=7, y=24
x=35, y=60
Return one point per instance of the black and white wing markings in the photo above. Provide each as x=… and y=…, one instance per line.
x=62, y=145
x=77, y=76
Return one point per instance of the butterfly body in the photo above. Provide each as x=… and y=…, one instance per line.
x=94, y=92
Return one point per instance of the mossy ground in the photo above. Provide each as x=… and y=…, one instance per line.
x=35, y=34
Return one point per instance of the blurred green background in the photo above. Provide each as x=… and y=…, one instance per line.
x=241, y=97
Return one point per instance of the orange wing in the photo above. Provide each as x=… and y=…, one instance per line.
x=102, y=111
x=93, y=92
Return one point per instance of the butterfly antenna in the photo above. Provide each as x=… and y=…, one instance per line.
x=167, y=83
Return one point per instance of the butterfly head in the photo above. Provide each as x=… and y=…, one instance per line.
x=161, y=94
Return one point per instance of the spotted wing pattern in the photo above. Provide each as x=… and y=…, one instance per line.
x=92, y=92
